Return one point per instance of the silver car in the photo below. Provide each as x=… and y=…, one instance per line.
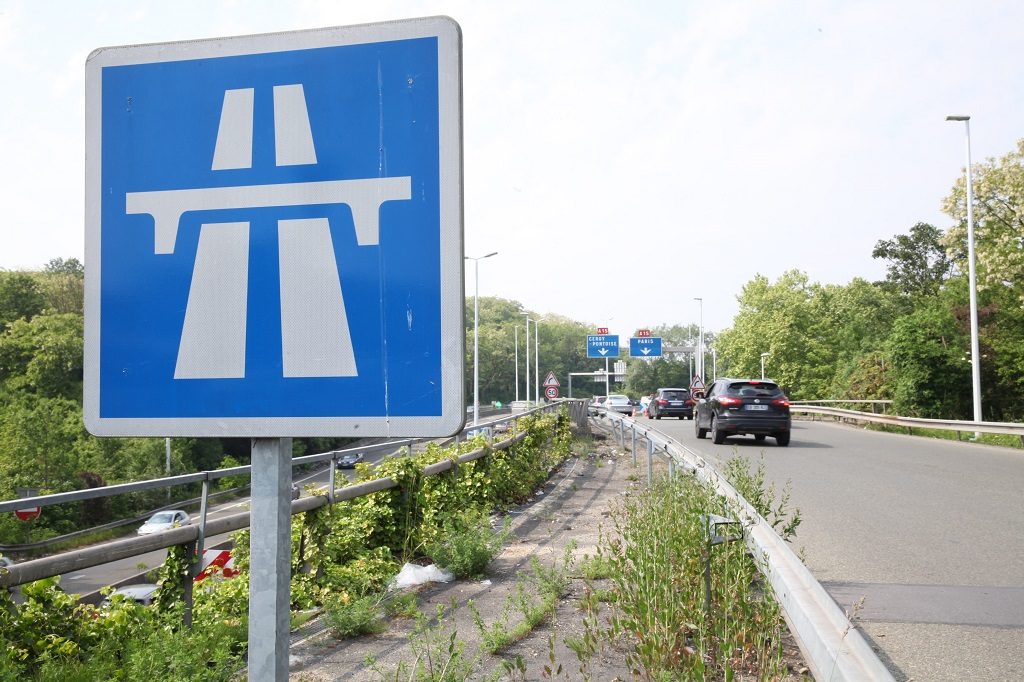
x=164, y=520
x=619, y=403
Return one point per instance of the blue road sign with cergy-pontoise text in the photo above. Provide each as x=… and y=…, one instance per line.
x=274, y=234
x=645, y=346
x=603, y=346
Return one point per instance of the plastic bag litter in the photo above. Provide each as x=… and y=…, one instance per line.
x=412, y=575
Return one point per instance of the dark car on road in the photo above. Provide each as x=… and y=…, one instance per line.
x=734, y=407
x=671, y=402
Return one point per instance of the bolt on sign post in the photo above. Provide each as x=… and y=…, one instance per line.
x=274, y=248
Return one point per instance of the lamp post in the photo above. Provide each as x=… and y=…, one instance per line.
x=536, y=359
x=527, y=316
x=517, y=361
x=700, y=342
x=714, y=364
x=972, y=277
x=476, y=334
x=763, y=356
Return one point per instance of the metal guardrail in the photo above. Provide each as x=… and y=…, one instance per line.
x=37, y=569
x=1009, y=428
x=835, y=650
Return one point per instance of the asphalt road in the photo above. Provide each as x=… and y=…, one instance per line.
x=929, y=533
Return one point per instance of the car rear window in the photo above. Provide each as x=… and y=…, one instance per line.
x=675, y=395
x=756, y=389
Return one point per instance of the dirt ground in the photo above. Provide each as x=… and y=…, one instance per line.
x=573, y=506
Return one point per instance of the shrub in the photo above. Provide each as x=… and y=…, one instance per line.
x=468, y=544
x=348, y=617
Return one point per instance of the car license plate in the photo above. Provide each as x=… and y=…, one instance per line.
x=755, y=407
x=676, y=403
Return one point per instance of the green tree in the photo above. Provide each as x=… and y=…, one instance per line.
x=917, y=263
x=43, y=355
x=20, y=297
x=999, y=222
x=63, y=285
x=931, y=362
x=780, y=319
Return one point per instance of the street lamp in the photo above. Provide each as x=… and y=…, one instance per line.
x=763, y=356
x=527, y=316
x=536, y=360
x=476, y=334
x=517, y=361
x=972, y=277
x=700, y=343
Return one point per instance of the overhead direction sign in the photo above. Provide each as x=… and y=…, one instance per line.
x=274, y=235
x=551, y=380
x=645, y=346
x=603, y=346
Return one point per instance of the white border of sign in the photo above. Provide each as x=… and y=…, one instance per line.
x=452, y=418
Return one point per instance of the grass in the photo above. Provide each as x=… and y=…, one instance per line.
x=1003, y=440
x=535, y=597
x=655, y=609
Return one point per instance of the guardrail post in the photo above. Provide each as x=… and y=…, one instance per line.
x=633, y=447
x=622, y=433
x=197, y=564
x=333, y=475
x=650, y=461
x=671, y=469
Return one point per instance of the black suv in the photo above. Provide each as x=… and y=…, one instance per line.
x=671, y=402
x=743, y=406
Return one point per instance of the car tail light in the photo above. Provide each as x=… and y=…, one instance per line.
x=662, y=402
x=781, y=402
x=726, y=400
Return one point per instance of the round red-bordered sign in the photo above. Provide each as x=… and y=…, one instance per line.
x=551, y=392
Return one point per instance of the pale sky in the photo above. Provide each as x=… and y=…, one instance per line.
x=622, y=158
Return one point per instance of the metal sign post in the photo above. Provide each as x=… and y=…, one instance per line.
x=270, y=554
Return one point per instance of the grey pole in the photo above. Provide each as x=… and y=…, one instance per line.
x=536, y=360
x=270, y=554
x=763, y=356
x=167, y=468
x=527, y=357
x=200, y=546
x=632, y=447
x=517, y=364
x=650, y=461
x=972, y=276
x=333, y=477
x=700, y=342
x=606, y=389
x=476, y=334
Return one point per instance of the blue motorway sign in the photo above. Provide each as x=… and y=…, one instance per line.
x=603, y=346
x=274, y=235
x=645, y=346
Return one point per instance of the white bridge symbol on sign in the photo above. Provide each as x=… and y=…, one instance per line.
x=315, y=336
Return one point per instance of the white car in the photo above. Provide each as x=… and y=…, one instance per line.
x=164, y=520
x=619, y=403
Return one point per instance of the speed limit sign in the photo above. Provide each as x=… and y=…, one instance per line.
x=551, y=392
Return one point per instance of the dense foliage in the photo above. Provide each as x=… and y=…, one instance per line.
x=341, y=554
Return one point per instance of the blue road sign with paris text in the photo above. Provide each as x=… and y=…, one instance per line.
x=645, y=346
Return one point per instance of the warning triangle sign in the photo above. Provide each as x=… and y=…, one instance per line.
x=551, y=380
